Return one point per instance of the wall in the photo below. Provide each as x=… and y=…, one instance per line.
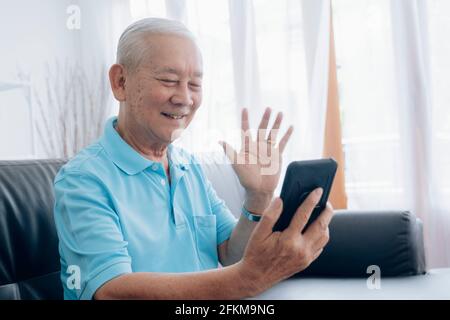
x=32, y=33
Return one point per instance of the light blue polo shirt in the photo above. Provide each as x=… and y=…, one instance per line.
x=116, y=213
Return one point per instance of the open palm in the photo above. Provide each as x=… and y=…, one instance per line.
x=258, y=163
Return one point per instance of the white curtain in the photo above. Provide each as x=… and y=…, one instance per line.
x=102, y=22
x=256, y=54
x=392, y=67
x=61, y=52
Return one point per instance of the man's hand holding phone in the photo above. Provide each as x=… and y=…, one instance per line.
x=271, y=256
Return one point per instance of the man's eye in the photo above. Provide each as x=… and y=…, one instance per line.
x=195, y=85
x=168, y=81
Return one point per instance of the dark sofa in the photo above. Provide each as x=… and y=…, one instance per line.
x=29, y=259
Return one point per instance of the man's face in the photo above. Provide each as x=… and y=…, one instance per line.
x=164, y=92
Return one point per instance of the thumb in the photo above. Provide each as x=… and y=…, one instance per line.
x=229, y=151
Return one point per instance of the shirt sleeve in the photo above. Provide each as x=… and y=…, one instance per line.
x=89, y=232
x=225, y=220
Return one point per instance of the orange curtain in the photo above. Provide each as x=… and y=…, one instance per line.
x=333, y=136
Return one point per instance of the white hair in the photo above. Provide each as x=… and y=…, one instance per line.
x=131, y=49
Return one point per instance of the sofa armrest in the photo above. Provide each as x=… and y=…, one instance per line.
x=391, y=240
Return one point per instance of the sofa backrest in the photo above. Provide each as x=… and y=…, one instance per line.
x=29, y=259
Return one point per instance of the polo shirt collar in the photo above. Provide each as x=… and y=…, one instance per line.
x=128, y=159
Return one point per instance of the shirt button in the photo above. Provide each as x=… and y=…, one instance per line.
x=163, y=182
x=154, y=167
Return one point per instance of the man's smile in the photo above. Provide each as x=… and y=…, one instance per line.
x=173, y=116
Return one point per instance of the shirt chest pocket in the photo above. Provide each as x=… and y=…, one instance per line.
x=206, y=240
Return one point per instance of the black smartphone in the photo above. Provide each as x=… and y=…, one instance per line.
x=301, y=178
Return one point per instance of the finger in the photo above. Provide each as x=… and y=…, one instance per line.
x=246, y=135
x=262, y=129
x=245, y=125
x=265, y=119
x=320, y=226
x=269, y=218
x=246, y=140
x=285, y=139
x=322, y=241
x=276, y=126
x=303, y=212
x=229, y=151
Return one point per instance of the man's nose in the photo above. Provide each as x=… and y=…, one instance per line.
x=183, y=96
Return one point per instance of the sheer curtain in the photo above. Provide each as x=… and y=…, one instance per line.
x=256, y=54
x=65, y=72
x=393, y=64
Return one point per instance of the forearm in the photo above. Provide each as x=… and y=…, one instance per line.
x=225, y=283
x=244, y=228
x=238, y=241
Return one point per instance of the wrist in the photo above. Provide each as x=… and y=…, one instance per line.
x=257, y=202
x=248, y=279
x=250, y=216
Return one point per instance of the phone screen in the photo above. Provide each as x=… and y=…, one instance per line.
x=301, y=178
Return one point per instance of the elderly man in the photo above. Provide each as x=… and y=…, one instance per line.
x=136, y=216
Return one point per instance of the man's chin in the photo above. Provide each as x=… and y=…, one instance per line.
x=174, y=135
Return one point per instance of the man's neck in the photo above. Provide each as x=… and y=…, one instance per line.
x=153, y=151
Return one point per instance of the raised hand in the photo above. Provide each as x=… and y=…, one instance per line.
x=258, y=162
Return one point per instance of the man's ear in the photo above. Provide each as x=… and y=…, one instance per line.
x=117, y=78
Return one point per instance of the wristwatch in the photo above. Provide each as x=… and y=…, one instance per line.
x=250, y=216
